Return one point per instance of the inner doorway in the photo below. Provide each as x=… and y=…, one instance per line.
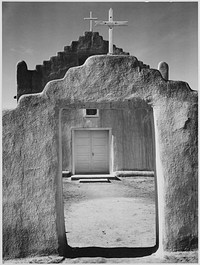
x=90, y=151
x=103, y=216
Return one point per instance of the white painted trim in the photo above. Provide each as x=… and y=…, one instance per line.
x=110, y=153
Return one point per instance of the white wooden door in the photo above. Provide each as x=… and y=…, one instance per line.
x=91, y=151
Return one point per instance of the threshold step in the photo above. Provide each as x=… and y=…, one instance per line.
x=134, y=173
x=94, y=181
x=77, y=177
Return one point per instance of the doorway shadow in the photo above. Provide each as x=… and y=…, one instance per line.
x=116, y=252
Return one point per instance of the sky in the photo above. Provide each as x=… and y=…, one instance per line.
x=156, y=31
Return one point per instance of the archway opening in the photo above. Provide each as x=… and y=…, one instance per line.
x=117, y=215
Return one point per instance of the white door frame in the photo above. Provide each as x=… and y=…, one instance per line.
x=93, y=129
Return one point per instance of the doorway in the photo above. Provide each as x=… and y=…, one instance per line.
x=91, y=151
x=121, y=212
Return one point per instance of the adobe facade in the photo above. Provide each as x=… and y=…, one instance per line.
x=34, y=81
x=33, y=155
x=137, y=157
x=131, y=132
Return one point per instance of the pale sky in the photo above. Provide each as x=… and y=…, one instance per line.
x=156, y=31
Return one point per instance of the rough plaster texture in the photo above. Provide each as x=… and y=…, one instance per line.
x=33, y=81
x=164, y=70
x=33, y=220
x=132, y=136
x=29, y=188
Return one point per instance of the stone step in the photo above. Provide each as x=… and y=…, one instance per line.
x=94, y=180
x=106, y=176
x=134, y=173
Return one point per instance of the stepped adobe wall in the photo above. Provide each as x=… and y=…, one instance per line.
x=33, y=81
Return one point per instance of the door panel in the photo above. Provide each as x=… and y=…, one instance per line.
x=100, y=160
x=82, y=151
x=91, y=151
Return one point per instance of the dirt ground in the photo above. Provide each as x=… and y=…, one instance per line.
x=120, y=213
x=116, y=214
x=176, y=257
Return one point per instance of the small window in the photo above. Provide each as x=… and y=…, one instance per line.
x=91, y=113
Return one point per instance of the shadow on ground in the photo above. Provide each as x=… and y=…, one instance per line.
x=118, y=252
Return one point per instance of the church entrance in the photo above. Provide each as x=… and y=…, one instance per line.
x=90, y=151
x=113, y=213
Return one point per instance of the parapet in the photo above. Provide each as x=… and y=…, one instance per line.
x=34, y=81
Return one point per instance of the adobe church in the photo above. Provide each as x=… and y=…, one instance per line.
x=113, y=143
x=92, y=111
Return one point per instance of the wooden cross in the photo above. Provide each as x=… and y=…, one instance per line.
x=90, y=18
x=110, y=23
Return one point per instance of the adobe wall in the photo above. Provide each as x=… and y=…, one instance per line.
x=132, y=136
x=34, y=81
x=33, y=220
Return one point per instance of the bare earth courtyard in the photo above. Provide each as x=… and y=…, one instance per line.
x=119, y=213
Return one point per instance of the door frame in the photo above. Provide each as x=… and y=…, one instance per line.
x=110, y=153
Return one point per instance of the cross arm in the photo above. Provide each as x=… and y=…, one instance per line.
x=111, y=23
x=90, y=18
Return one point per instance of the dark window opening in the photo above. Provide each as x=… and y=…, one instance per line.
x=91, y=111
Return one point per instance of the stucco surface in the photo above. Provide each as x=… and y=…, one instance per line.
x=132, y=135
x=33, y=219
x=29, y=168
x=164, y=70
x=178, y=154
x=34, y=81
